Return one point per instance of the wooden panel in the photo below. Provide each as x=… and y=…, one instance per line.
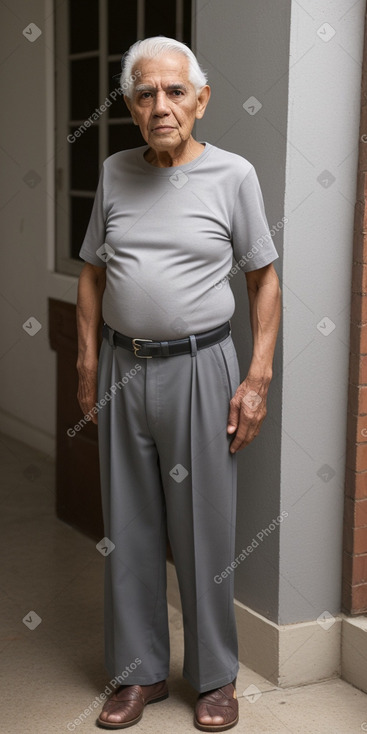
x=78, y=499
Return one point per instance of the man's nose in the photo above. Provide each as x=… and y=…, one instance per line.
x=161, y=106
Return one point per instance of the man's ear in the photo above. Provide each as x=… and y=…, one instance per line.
x=129, y=106
x=202, y=101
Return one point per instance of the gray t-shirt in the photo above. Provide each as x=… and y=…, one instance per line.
x=167, y=237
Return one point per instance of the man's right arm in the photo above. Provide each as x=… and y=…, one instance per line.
x=91, y=286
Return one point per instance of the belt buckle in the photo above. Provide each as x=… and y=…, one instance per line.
x=136, y=348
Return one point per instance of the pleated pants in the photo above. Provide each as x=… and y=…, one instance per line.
x=166, y=468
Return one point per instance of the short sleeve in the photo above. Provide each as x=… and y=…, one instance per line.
x=95, y=234
x=253, y=246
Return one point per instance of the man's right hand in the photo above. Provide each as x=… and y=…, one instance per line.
x=87, y=390
x=92, y=282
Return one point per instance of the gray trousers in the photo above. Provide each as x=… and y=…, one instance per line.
x=166, y=467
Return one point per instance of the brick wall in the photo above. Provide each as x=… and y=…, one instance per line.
x=355, y=504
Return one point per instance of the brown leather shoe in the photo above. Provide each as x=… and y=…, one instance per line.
x=220, y=703
x=125, y=707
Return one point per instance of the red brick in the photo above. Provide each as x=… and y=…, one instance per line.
x=355, y=484
x=363, y=155
x=360, y=489
x=362, y=159
x=355, y=369
x=359, y=246
x=360, y=514
x=363, y=152
x=363, y=121
x=354, y=569
x=361, y=457
x=359, y=276
x=359, y=599
x=363, y=339
x=358, y=338
x=361, y=183
x=360, y=216
x=359, y=570
x=359, y=424
x=363, y=369
x=355, y=513
x=364, y=75
x=357, y=400
x=362, y=406
x=358, y=314
x=359, y=540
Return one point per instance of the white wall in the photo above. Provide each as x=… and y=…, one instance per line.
x=323, y=127
x=28, y=366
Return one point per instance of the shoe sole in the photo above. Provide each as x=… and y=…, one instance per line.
x=124, y=725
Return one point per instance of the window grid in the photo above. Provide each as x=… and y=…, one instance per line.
x=67, y=196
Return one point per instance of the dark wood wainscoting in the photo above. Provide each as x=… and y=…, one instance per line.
x=78, y=499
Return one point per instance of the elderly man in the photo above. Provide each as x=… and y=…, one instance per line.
x=166, y=221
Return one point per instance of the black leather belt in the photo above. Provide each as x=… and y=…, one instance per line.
x=147, y=348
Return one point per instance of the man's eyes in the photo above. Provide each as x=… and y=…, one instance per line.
x=174, y=92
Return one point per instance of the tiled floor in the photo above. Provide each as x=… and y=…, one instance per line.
x=53, y=674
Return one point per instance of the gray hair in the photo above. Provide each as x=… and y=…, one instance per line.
x=149, y=48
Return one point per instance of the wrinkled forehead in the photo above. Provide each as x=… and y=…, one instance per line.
x=164, y=70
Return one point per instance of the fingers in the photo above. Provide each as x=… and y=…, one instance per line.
x=250, y=420
x=87, y=405
x=245, y=434
x=233, y=416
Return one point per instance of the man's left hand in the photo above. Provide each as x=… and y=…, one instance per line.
x=247, y=411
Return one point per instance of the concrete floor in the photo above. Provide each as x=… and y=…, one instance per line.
x=52, y=673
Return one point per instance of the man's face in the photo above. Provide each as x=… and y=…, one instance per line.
x=164, y=102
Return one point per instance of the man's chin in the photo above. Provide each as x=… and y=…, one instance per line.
x=163, y=137
x=164, y=142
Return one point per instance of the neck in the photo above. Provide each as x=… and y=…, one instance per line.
x=175, y=157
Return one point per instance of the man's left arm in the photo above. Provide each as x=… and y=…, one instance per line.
x=248, y=405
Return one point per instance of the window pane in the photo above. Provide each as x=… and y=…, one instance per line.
x=122, y=137
x=83, y=25
x=80, y=211
x=122, y=25
x=187, y=22
x=83, y=88
x=160, y=18
x=84, y=160
x=118, y=107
